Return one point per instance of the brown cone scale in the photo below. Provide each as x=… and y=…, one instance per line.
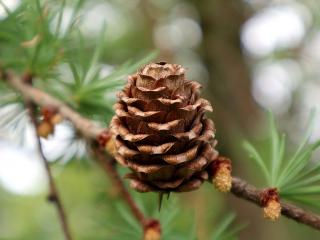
x=161, y=132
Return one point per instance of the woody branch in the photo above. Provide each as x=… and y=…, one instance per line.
x=53, y=196
x=240, y=188
x=91, y=132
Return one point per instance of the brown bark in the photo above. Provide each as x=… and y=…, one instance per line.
x=90, y=131
x=244, y=190
x=86, y=127
x=240, y=188
x=53, y=196
x=109, y=168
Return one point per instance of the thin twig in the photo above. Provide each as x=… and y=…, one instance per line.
x=240, y=188
x=244, y=190
x=53, y=192
x=88, y=129
x=109, y=168
x=85, y=126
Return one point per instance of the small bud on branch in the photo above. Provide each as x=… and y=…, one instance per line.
x=152, y=230
x=44, y=129
x=220, y=172
x=271, y=203
x=50, y=118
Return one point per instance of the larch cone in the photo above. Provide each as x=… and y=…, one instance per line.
x=160, y=130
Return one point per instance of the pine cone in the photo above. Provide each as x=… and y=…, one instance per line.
x=160, y=130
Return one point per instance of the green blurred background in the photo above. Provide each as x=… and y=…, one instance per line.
x=249, y=55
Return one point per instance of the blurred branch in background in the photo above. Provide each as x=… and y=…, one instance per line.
x=148, y=225
x=54, y=196
x=230, y=80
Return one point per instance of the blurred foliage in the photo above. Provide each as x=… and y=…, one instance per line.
x=85, y=67
x=33, y=41
x=296, y=177
x=96, y=211
x=224, y=230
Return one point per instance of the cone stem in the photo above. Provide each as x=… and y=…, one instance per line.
x=160, y=195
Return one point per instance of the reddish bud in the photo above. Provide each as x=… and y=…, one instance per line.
x=44, y=129
x=220, y=172
x=56, y=119
x=152, y=230
x=103, y=138
x=270, y=201
x=27, y=78
x=48, y=112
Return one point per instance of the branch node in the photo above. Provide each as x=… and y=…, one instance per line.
x=270, y=201
x=52, y=198
x=220, y=173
